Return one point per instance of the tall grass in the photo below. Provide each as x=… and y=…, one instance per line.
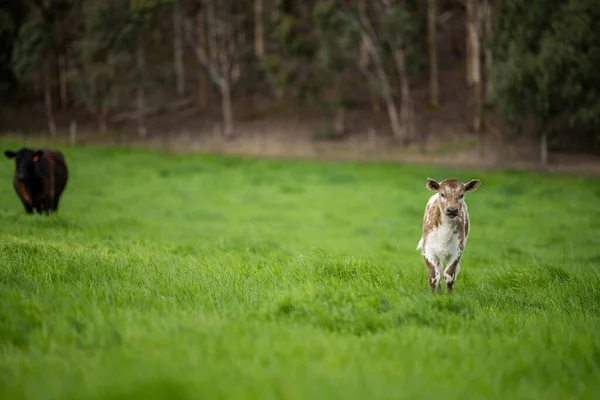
x=200, y=276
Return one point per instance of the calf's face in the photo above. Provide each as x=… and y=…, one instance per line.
x=26, y=162
x=451, y=193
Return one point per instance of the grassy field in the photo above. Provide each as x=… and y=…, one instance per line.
x=204, y=277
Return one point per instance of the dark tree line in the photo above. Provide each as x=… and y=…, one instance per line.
x=529, y=60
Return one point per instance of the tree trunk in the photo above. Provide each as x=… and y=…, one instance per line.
x=339, y=123
x=474, y=64
x=202, y=90
x=364, y=51
x=38, y=83
x=62, y=76
x=434, y=90
x=489, y=84
x=102, y=119
x=544, y=146
x=211, y=31
x=468, y=44
x=368, y=37
x=202, y=75
x=393, y=116
x=363, y=58
x=407, y=112
x=227, y=108
x=339, y=111
x=386, y=91
x=73, y=133
x=259, y=42
x=140, y=95
x=376, y=106
x=477, y=107
x=178, y=50
x=48, y=99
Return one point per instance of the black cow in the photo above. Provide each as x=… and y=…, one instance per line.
x=39, y=179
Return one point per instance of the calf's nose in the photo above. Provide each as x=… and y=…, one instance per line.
x=20, y=176
x=452, y=210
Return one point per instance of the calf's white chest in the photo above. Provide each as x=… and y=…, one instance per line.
x=443, y=242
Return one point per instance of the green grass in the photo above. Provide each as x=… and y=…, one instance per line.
x=204, y=277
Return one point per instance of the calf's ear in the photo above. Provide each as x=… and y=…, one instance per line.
x=432, y=185
x=472, y=185
x=9, y=154
x=37, y=155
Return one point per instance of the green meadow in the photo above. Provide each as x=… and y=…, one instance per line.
x=215, y=277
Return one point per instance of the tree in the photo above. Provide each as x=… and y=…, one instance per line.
x=378, y=80
x=434, y=90
x=488, y=36
x=223, y=46
x=109, y=54
x=289, y=63
x=397, y=31
x=390, y=32
x=259, y=36
x=33, y=53
x=95, y=64
x=10, y=19
x=178, y=48
x=363, y=58
x=474, y=64
x=546, y=67
x=334, y=40
x=140, y=16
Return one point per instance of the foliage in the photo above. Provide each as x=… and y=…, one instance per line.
x=547, y=58
x=545, y=53
x=43, y=31
x=398, y=27
x=10, y=22
x=293, y=280
x=336, y=41
x=336, y=50
x=6, y=23
x=288, y=62
x=101, y=58
x=141, y=14
x=32, y=46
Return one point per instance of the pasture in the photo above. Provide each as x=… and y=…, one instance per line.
x=204, y=277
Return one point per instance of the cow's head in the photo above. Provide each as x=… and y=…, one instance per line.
x=26, y=162
x=451, y=193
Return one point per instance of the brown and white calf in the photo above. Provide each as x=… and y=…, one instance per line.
x=445, y=230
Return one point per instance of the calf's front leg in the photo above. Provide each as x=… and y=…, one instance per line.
x=451, y=273
x=434, y=275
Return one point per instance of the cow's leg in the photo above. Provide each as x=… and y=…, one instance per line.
x=55, y=203
x=451, y=273
x=40, y=206
x=28, y=207
x=45, y=204
x=434, y=276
